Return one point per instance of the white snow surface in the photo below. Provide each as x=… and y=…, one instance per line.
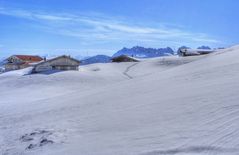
x=22, y=72
x=160, y=106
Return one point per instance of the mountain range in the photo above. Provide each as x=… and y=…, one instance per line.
x=142, y=52
x=96, y=59
x=137, y=51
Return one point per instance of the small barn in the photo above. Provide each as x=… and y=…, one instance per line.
x=59, y=63
x=16, y=62
x=124, y=58
x=194, y=52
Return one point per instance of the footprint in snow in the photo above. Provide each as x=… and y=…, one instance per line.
x=38, y=138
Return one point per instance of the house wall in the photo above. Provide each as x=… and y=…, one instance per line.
x=24, y=66
x=65, y=67
x=14, y=59
x=12, y=63
x=62, y=63
x=43, y=67
x=9, y=67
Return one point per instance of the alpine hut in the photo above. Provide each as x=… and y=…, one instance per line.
x=124, y=58
x=59, y=63
x=194, y=52
x=16, y=62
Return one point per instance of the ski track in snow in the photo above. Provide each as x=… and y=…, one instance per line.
x=126, y=72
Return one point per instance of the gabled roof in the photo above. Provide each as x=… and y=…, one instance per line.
x=31, y=58
x=63, y=56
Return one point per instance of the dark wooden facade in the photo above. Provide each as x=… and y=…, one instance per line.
x=59, y=63
x=124, y=58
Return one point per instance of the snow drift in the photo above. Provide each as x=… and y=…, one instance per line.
x=170, y=106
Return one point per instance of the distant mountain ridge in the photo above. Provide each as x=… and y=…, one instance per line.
x=204, y=47
x=142, y=52
x=96, y=59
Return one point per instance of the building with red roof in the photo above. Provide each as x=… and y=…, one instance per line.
x=16, y=62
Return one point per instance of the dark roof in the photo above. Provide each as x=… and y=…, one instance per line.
x=31, y=58
x=124, y=58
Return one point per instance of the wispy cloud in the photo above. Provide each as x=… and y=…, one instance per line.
x=98, y=27
x=32, y=15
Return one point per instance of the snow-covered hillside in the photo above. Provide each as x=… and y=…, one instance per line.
x=161, y=106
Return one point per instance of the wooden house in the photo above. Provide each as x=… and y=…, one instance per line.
x=16, y=62
x=59, y=63
x=194, y=52
x=124, y=58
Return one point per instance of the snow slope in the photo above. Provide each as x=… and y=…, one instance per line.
x=163, y=106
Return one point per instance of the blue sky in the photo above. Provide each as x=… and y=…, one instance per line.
x=89, y=27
